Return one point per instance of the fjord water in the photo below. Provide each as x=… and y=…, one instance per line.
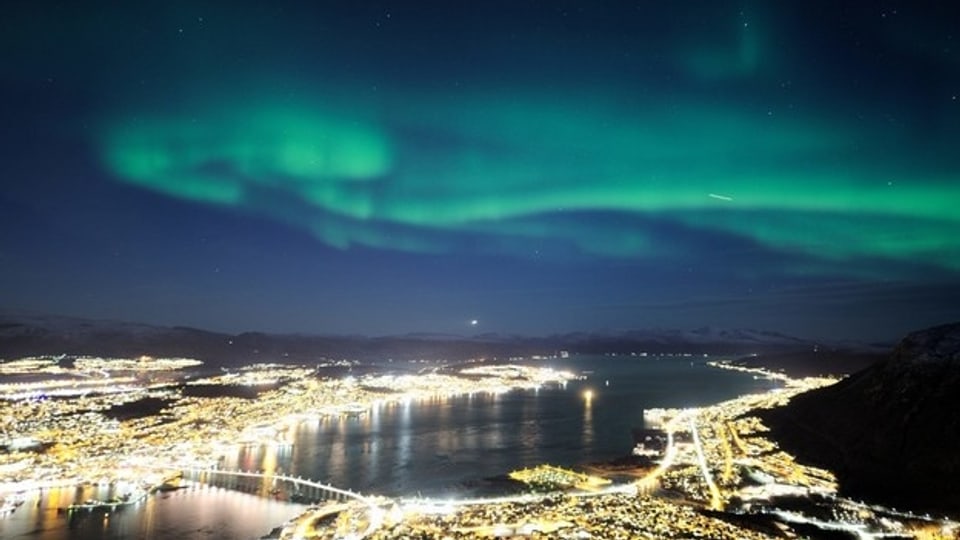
x=441, y=446
x=450, y=445
x=204, y=513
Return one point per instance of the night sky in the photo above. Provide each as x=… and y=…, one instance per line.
x=533, y=166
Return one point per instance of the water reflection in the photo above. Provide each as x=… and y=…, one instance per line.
x=209, y=513
x=438, y=446
x=269, y=467
x=404, y=430
x=442, y=445
x=586, y=437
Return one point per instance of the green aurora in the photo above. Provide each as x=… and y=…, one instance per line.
x=541, y=166
x=499, y=166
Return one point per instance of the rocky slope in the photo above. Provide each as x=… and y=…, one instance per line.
x=892, y=431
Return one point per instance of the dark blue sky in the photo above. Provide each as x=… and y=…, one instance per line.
x=540, y=167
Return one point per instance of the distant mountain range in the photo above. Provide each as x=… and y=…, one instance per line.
x=25, y=335
x=890, y=432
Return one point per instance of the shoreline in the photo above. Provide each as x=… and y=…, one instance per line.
x=382, y=390
x=699, y=425
x=283, y=423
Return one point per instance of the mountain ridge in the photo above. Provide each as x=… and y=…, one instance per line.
x=25, y=335
x=890, y=431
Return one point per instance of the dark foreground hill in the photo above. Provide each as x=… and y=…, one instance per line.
x=891, y=432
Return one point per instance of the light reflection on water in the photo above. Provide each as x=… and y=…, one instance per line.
x=209, y=513
x=453, y=445
x=436, y=446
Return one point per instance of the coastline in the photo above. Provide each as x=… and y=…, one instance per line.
x=713, y=435
x=643, y=480
x=271, y=424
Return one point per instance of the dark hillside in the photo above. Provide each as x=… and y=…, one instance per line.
x=890, y=432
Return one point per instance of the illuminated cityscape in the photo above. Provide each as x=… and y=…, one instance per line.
x=490, y=269
x=107, y=421
x=89, y=444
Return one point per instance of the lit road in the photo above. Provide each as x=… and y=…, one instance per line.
x=721, y=432
x=741, y=447
x=650, y=481
x=716, y=501
x=429, y=505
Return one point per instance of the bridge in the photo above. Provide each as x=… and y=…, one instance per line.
x=310, y=490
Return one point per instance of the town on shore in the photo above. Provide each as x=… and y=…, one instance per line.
x=710, y=472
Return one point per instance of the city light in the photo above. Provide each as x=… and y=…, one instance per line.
x=711, y=456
